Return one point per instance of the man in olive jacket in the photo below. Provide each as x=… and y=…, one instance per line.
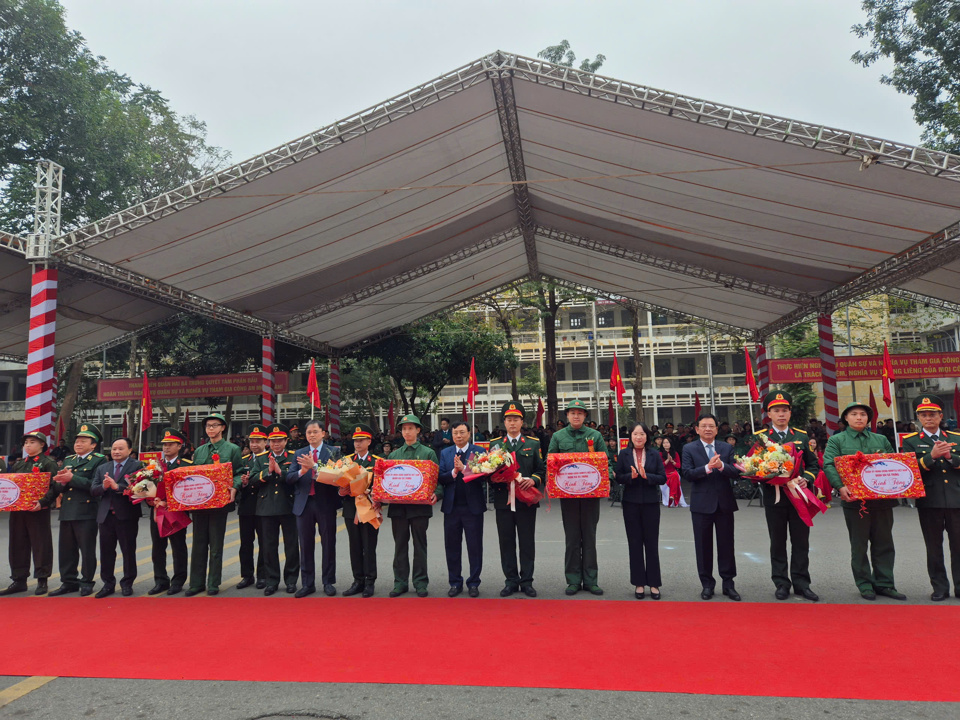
x=869, y=522
x=939, y=511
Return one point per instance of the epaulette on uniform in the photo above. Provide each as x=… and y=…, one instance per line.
x=912, y=435
x=796, y=429
x=261, y=454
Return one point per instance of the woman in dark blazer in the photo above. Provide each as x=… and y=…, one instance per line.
x=640, y=470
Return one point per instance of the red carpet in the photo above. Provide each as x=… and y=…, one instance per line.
x=881, y=652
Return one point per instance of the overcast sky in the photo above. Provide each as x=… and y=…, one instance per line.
x=263, y=73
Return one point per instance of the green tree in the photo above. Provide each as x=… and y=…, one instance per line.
x=797, y=342
x=531, y=386
x=921, y=38
x=562, y=55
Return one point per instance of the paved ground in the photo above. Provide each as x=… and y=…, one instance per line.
x=831, y=579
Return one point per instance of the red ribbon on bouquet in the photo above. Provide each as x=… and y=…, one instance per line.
x=802, y=498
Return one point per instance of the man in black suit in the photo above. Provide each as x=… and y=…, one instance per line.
x=463, y=507
x=117, y=517
x=315, y=505
x=708, y=466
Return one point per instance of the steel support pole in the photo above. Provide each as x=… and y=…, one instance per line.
x=269, y=395
x=713, y=404
x=828, y=371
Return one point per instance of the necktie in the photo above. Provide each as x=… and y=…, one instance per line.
x=116, y=471
x=514, y=444
x=316, y=459
x=782, y=435
x=170, y=464
x=710, y=452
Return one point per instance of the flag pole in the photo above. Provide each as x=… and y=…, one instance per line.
x=750, y=406
x=893, y=410
x=140, y=430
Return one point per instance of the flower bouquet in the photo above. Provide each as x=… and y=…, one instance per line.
x=780, y=465
x=341, y=472
x=143, y=483
x=498, y=463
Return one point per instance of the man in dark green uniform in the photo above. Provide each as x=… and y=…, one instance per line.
x=939, y=511
x=362, y=536
x=250, y=531
x=518, y=525
x=580, y=516
x=275, y=513
x=78, y=513
x=869, y=522
x=30, y=529
x=210, y=526
x=411, y=521
x=782, y=516
x=295, y=442
x=171, y=443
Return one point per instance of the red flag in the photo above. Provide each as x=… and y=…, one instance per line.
x=463, y=413
x=472, y=386
x=696, y=405
x=751, y=383
x=873, y=408
x=60, y=430
x=186, y=425
x=313, y=390
x=611, y=418
x=146, y=406
x=616, y=382
x=956, y=402
x=123, y=430
x=391, y=420
x=887, y=375
x=539, y=421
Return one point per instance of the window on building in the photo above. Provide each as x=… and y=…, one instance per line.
x=557, y=323
x=662, y=367
x=577, y=320
x=505, y=375
x=606, y=319
x=719, y=364
x=942, y=342
x=5, y=386
x=659, y=318
x=606, y=367
x=561, y=372
x=739, y=365
x=580, y=370
x=628, y=368
x=686, y=366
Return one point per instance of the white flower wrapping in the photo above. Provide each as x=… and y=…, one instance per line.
x=489, y=462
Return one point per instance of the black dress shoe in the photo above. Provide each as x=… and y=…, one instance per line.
x=706, y=593
x=271, y=590
x=291, y=589
x=261, y=584
x=305, y=590
x=891, y=593
x=105, y=591
x=454, y=590
x=126, y=592
x=473, y=591
x=868, y=595
x=368, y=589
x=329, y=590
x=939, y=596
x=529, y=591
x=355, y=589
x=422, y=592
x=41, y=587
x=174, y=589
x=732, y=594
x=507, y=591
x=85, y=590
x=63, y=590
x=782, y=593
x=157, y=589
x=245, y=583
x=808, y=594
x=639, y=594
x=654, y=595
x=213, y=591
x=17, y=586
x=191, y=592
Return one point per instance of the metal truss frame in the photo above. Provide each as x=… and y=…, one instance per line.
x=944, y=305
x=870, y=150
x=935, y=251
x=46, y=218
x=404, y=277
x=510, y=130
x=727, y=280
x=13, y=243
x=6, y=357
x=121, y=339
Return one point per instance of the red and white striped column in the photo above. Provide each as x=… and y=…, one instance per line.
x=269, y=397
x=828, y=371
x=40, y=354
x=763, y=377
x=334, y=428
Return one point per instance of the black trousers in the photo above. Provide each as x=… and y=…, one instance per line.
x=933, y=523
x=115, y=532
x=363, y=550
x=642, y=523
x=457, y=523
x=270, y=528
x=250, y=534
x=405, y=528
x=314, y=519
x=30, y=534
x=78, y=538
x=704, y=526
x=178, y=548
x=782, y=518
x=513, y=529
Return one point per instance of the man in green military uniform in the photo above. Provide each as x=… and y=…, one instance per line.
x=275, y=513
x=411, y=521
x=210, y=526
x=782, y=516
x=250, y=530
x=78, y=513
x=295, y=442
x=362, y=536
x=518, y=525
x=580, y=516
x=30, y=529
x=869, y=522
x=939, y=511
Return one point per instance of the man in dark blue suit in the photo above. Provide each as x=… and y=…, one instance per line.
x=315, y=505
x=708, y=466
x=463, y=507
x=118, y=518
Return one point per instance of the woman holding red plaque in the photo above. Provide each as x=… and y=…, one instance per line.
x=641, y=471
x=671, y=492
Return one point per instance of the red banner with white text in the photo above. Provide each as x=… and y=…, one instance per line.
x=867, y=367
